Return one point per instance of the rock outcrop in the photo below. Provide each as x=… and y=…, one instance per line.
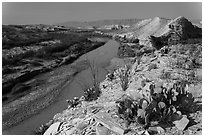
x=114, y=107
x=166, y=30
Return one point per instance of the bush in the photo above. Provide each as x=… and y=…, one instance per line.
x=152, y=66
x=127, y=109
x=125, y=51
x=17, y=59
x=21, y=36
x=68, y=42
x=91, y=93
x=41, y=130
x=124, y=76
x=135, y=41
x=165, y=75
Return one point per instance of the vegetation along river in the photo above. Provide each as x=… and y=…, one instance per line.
x=101, y=58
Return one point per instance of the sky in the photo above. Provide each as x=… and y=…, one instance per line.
x=58, y=12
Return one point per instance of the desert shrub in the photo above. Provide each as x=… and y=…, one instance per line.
x=177, y=62
x=73, y=103
x=22, y=37
x=19, y=88
x=66, y=41
x=165, y=75
x=7, y=70
x=152, y=66
x=145, y=50
x=41, y=130
x=91, y=92
x=125, y=51
x=88, y=91
x=185, y=61
x=14, y=36
x=132, y=40
x=175, y=99
x=192, y=77
x=124, y=76
x=95, y=75
x=135, y=41
x=127, y=109
x=17, y=59
x=110, y=76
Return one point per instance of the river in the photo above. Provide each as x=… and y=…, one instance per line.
x=101, y=58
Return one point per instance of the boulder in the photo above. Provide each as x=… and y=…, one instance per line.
x=107, y=121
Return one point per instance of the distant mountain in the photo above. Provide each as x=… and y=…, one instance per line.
x=197, y=22
x=100, y=23
x=185, y=28
x=144, y=28
x=160, y=27
x=134, y=23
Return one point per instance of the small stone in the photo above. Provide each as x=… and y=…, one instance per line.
x=179, y=112
x=82, y=125
x=101, y=130
x=75, y=121
x=52, y=129
x=181, y=124
x=146, y=132
x=69, y=132
x=156, y=130
x=141, y=132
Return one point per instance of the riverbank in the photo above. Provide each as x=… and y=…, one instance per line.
x=45, y=92
x=41, y=96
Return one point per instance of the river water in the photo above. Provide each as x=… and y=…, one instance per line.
x=101, y=58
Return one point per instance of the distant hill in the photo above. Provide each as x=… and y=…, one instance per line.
x=160, y=27
x=144, y=28
x=157, y=24
x=100, y=23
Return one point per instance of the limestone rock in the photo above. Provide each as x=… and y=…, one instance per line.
x=181, y=124
x=108, y=122
x=101, y=130
x=156, y=130
x=52, y=129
